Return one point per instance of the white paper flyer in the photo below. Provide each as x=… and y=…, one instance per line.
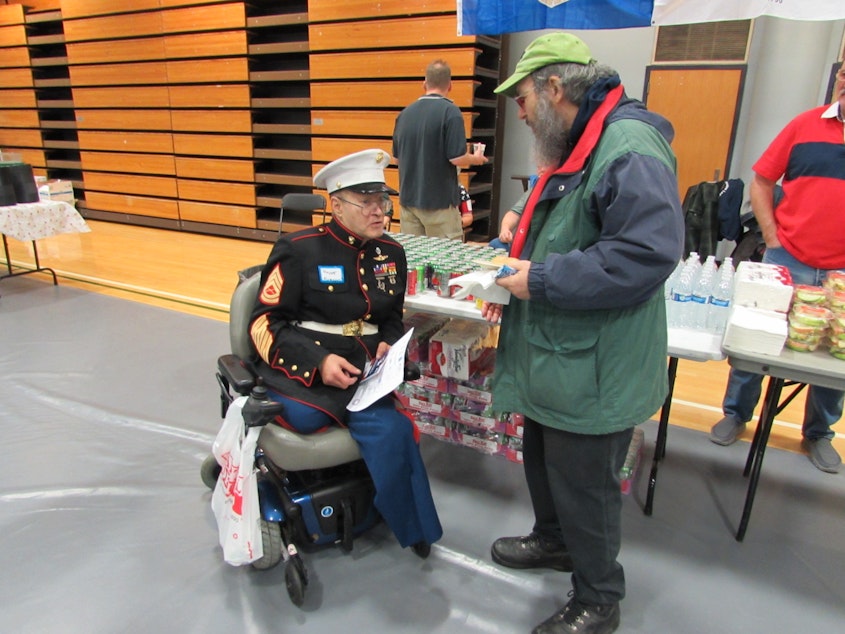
x=381, y=376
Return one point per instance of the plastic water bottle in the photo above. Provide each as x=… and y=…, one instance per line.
x=682, y=294
x=720, y=300
x=701, y=295
x=668, y=285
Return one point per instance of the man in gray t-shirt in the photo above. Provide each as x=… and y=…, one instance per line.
x=429, y=143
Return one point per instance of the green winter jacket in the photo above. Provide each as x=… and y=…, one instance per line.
x=587, y=353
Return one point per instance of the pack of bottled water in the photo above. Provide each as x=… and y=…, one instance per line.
x=698, y=295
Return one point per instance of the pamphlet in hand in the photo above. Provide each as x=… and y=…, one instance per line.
x=381, y=376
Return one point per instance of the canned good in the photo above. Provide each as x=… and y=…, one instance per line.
x=411, y=286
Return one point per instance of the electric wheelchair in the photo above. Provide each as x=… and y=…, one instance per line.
x=313, y=489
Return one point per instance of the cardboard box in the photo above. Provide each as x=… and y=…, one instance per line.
x=61, y=190
x=459, y=349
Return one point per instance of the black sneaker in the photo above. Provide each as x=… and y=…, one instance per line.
x=530, y=552
x=580, y=618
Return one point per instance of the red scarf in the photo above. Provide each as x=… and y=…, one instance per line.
x=574, y=162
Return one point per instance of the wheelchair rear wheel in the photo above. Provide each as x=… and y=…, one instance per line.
x=271, y=542
x=210, y=471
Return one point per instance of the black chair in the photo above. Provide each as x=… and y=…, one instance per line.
x=302, y=203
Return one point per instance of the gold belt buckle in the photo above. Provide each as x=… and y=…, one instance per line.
x=353, y=328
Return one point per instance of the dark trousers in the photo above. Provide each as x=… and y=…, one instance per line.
x=574, y=484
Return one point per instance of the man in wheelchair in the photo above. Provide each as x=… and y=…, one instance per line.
x=331, y=298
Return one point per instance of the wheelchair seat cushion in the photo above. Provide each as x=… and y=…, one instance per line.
x=297, y=452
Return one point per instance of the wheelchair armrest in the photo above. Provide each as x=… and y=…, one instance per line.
x=236, y=373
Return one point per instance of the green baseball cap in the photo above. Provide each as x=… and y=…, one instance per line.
x=553, y=48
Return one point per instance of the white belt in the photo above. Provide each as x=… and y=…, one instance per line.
x=355, y=328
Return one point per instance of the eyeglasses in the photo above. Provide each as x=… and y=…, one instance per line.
x=520, y=100
x=368, y=207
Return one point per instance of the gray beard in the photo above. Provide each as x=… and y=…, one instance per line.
x=551, y=138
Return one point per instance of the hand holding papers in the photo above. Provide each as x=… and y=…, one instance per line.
x=381, y=376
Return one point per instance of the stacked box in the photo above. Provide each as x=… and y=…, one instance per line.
x=424, y=325
x=460, y=349
x=61, y=190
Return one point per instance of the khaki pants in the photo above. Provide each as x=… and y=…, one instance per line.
x=441, y=223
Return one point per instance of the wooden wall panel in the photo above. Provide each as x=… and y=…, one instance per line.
x=18, y=118
x=154, y=120
x=131, y=163
x=360, y=122
x=155, y=186
x=14, y=35
x=17, y=99
x=379, y=34
x=87, y=8
x=212, y=145
x=218, y=96
x=211, y=18
x=222, y=44
x=126, y=141
x=383, y=94
x=16, y=78
x=216, y=191
x=123, y=97
x=133, y=74
x=133, y=50
x=13, y=138
x=230, y=215
x=113, y=27
x=211, y=121
x=165, y=4
x=213, y=71
x=134, y=205
x=332, y=10
x=14, y=57
x=33, y=157
x=220, y=169
x=404, y=63
x=11, y=14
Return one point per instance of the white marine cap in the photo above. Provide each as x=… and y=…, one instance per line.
x=361, y=172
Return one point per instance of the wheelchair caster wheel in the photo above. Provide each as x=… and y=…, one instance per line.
x=295, y=580
x=210, y=471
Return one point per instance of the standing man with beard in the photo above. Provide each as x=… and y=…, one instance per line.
x=583, y=344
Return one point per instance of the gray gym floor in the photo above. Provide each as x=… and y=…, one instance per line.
x=108, y=408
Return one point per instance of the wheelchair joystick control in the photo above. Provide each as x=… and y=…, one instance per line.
x=259, y=409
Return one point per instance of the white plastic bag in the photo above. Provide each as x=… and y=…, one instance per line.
x=235, y=497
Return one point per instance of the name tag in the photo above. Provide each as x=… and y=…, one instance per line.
x=331, y=274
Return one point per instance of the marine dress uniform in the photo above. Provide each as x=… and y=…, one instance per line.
x=326, y=290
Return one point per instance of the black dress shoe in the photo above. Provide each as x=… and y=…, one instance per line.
x=581, y=618
x=421, y=549
x=530, y=552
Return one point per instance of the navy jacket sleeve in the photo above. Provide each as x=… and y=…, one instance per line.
x=639, y=210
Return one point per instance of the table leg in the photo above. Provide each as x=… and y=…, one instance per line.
x=758, y=449
x=662, y=430
x=38, y=268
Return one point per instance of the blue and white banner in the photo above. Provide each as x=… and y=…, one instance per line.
x=494, y=17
